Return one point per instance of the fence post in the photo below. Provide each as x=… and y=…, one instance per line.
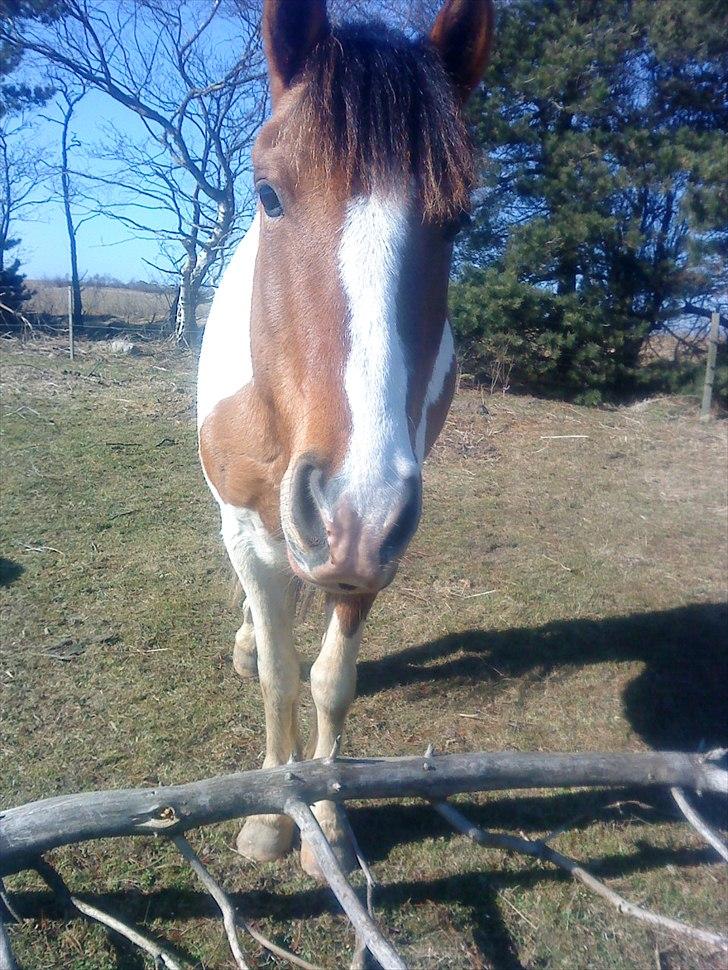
x=70, y=321
x=710, y=367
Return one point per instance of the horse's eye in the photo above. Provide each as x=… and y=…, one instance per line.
x=269, y=200
x=456, y=226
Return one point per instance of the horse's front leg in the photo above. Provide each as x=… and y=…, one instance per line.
x=270, y=607
x=271, y=597
x=333, y=686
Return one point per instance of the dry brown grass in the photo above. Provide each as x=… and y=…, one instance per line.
x=564, y=592
x=128, y=307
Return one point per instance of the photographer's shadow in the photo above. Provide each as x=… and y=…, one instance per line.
x=676, y=702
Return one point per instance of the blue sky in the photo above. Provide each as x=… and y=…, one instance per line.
x=105, y=246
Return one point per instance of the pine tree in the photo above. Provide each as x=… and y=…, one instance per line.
x=601, y=218
x=15, y=97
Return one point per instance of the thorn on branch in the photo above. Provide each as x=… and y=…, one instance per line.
x=334, y=751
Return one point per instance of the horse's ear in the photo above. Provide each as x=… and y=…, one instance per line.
x=463, y=34
x=291, y=28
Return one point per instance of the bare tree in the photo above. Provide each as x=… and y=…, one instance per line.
x=192, y=73
x=18, y=178
x=20, y=188
x=68, y=100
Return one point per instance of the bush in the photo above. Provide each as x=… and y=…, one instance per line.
x=13, y=296
x=575, y=346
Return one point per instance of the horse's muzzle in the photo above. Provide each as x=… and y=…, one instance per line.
x=333, y=544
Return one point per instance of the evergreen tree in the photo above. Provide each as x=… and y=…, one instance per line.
x=602, y=212
x=15, y=97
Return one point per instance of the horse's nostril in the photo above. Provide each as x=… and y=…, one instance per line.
x=405, y=523
x=305, y=505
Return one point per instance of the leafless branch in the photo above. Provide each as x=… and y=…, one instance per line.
x=540, y=850
x=55, y=882
x=218, y=894
x=7, y=960
x=364, y=925
x=30, y=830
x=231, y=917
x=699, y=823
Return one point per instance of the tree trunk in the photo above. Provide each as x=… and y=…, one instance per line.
x=185, y=321
x=76, y=305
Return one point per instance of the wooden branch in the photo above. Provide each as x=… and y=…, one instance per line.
x=218, y=894
x=699, y=823
x=359, y=959
x=542, y=851
x=231, y=917
x=7, y=960
x=364, y=925
x=275, y=949
x=29, y=830
x=56, y=884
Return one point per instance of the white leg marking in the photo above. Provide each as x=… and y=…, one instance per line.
x=270, y=592
x=333, y=685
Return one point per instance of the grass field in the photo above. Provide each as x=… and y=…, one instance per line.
x=104, y=307
x=566, y=591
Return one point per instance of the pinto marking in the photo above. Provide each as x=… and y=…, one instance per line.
x=327, y=365
x=442, y=369
x=226, y=362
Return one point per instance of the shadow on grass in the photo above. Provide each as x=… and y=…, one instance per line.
x=677, y=702
x=477, y=890
x=10, y=571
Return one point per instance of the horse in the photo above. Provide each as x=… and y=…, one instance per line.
x=327, y=366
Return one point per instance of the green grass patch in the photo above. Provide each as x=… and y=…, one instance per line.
x=564, y=593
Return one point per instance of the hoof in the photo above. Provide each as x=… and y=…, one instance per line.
x=245, y=655
x=329, y=819
x=265, y=838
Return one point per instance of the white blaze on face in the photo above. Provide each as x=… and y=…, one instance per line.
x=371, y=253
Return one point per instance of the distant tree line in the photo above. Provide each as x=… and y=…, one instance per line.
x=106, y=281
